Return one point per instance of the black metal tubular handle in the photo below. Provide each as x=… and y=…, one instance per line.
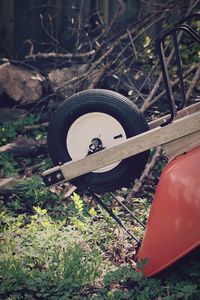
x=163, y=63
x=128, y=210
x=195, y=34
x=183, y=27
x=179, y=70
x=168, y=89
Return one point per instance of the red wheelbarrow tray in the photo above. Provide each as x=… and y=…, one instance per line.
x=172, y=228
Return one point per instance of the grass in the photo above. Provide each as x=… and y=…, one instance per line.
x=55, y=248
x=44, y=258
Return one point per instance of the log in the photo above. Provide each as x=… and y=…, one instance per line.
x=62, y=80
x=20, y=84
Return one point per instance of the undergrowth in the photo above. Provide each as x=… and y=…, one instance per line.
x=43, y=259
x=55, y=248
x=10, y=130
x=43, y=256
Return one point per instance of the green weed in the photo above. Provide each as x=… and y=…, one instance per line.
x=43, y=259
x=10, y=130
x=8, y=165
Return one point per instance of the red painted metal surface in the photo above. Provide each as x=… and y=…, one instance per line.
x=173, y=227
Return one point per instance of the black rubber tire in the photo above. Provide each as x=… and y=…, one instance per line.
x=115, y=105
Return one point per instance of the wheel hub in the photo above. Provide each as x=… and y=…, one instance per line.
x=93, y=132
x=95, y=146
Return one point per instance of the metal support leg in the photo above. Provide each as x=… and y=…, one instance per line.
x=111, y=214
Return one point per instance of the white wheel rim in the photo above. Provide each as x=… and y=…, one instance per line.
x=94, y=125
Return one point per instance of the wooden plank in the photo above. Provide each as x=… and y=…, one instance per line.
x=181, y=113
x=181, y=145
x=132, y=146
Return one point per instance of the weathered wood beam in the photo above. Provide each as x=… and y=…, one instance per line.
x=181, y=113
x=182, y=145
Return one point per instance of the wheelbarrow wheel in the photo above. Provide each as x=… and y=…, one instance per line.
x=93, y=120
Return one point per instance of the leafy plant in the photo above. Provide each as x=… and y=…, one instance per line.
x=43, y=259
x=9, y=130
x=32, y=192
x=8, y=165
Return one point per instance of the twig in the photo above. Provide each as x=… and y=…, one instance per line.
x=116, y=15
x=132, y=44
x=91, y=69
x=79, y=22
x=148, y=102
x=70, y=191
x=138, y=184
x=173, y=84
x=98, y=76
x=131, y=84
x=156, y=86
x=50, y=35
x=36, y=126
x=59, y=55
x=140, y=33
x=194, y=81
x=10, y=115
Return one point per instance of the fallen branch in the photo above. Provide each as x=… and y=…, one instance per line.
x=194, y=82
x=24, y=146
x=89, y=72
x=147, y=104
x=7, y=184
x=116, y=15
x=59, y=55
x=36, y=126
x=132, y=44
x=98, y=76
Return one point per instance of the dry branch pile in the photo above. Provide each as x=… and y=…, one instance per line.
x=104, y=56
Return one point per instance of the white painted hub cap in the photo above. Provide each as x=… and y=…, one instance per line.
x=90, y=126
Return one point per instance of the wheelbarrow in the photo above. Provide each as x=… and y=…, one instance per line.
x=100, y=141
